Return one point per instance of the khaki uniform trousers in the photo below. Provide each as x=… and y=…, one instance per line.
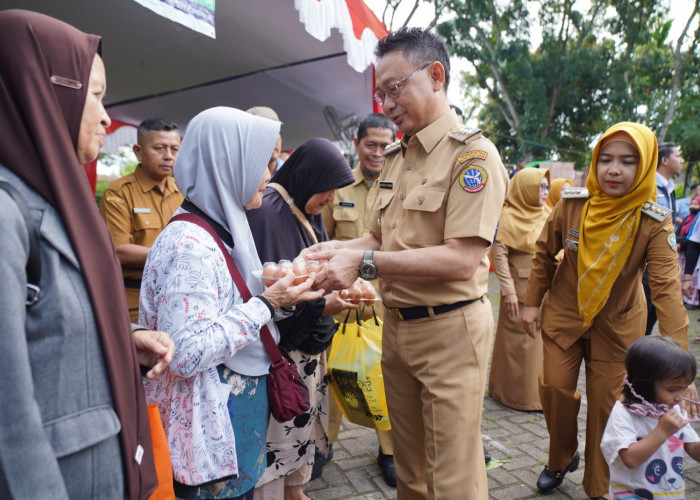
x=132, y=300
x=561, y=401
x=435, y=376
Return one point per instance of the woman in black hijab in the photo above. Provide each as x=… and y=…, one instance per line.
x=305, y=184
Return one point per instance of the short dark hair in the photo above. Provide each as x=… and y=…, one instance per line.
x=154, y=124
x=654, y=358
x=419, y=46
x=375, y=120
x=666, y=150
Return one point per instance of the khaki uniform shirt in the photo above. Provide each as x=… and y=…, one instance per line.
x=136, y=211
x=622, y=320
x=345, y=217
x=345, y=220
x=445, y=182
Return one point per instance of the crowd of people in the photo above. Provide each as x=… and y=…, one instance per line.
x=160, y=299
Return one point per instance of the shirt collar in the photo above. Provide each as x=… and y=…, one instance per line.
x=359, y=176
x=433, y=133
x=148, y=184
x=661, y=181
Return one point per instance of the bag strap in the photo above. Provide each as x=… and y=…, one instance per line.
x=34, y=260
x=272, y=350
x=295, y=210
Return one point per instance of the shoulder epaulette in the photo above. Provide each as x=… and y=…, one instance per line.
x=462, y=133
x=392, y=148
x=574, y=193
x=655, y=211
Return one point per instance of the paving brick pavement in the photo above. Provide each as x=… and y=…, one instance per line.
x=519, y=437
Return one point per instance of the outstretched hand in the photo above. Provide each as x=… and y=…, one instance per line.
x=340, y=270
x=283, y=294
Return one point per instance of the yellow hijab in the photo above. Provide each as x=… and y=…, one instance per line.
x=609, y=225
x=522, y=216
x=555, y=191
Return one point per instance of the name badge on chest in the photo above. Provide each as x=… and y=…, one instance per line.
x=348, y=204
x=142, y=210
x=386, y=185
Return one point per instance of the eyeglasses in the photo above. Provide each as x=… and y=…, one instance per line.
x=544, y=187
x=393, y=90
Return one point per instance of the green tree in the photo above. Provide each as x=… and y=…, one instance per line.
x=590, y=70
x=538, y=101
x=121, y=158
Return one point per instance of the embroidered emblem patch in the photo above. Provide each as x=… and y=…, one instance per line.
x=473, y=179
x=672, y=241
x=472, y=154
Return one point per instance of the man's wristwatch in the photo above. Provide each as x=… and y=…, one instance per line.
x=368, y=270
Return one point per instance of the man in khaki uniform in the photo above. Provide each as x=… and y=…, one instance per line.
x=440, y=196
x=345, y=220
x=138, y=206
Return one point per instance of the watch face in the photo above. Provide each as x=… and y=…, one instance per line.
x=368, y=270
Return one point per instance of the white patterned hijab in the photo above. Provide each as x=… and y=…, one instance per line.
x=221, y=161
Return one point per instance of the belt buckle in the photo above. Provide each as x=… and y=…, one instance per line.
x=396, y=312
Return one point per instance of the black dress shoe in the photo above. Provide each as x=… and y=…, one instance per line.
x=319, y=461
x=487, y=455
x=550, y=479
x=386, y=463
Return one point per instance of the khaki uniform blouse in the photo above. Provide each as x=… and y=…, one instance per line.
x=622, y=319
x=512, y=268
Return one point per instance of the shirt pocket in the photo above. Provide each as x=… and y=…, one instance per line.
x=383, y=200
x=74, y=432
x=424, y=221
x=146, y=222
x=347, y=223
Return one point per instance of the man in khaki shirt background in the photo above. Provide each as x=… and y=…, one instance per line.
x=137, y=207
x=345, y=220
x=439, y=198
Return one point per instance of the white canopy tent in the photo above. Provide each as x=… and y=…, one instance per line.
x=262, y=56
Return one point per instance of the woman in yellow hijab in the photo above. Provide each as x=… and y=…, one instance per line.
x=592, y=302
x=558, y=185
x=517, y=358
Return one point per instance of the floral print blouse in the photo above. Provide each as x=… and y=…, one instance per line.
x=187, y=291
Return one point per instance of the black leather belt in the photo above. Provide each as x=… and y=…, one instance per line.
x=418, y=312
x=132, y=283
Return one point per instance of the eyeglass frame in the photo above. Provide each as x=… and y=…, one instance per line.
x=394, y=87
x=545, y=187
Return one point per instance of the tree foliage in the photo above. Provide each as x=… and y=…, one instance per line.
x=598, y=63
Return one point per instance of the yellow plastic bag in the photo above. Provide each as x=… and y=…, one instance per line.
x=355, y=370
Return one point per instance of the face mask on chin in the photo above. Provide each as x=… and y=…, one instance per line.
x=693, y=210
